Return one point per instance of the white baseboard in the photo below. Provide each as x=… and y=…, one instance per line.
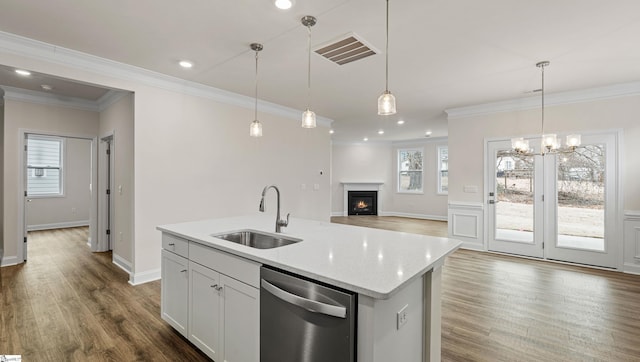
x=400, y=214
x=121, y=263
x=414, y=216
x=10, y=260
x=144, y=277
x=631, y=268
x=58, y=225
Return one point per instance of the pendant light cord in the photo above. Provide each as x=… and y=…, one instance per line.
x=256, y=92
x=386, y=87
x=309, y=68
x=542, y=67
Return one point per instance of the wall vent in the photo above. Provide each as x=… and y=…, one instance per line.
x=346, y=49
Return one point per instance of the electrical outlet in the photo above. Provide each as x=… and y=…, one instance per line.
x=401, y=316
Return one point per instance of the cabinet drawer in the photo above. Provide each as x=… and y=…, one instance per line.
x=236, y=267
x=175, y=244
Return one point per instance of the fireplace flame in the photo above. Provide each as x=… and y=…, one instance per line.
x=362, y=205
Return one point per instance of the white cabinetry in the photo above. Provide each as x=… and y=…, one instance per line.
x=175, y=288
x=221, y=299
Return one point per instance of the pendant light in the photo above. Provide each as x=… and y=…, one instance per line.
x=549, y=142
x=308, y=116
x=255, y=129
x=387, y=102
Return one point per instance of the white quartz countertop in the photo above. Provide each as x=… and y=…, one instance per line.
x=372, y=262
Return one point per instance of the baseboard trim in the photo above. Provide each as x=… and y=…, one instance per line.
x=121, y=263
x=414, y=216
x=8, y=261
x=472, y=246
x=401, y=214
x=631, y=268
x=58, y=225
x=144, y=277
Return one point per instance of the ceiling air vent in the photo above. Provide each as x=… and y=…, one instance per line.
x=346, y=49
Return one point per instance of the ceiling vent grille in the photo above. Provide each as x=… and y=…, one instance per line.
x=346, y=49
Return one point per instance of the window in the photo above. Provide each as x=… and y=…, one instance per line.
x=410, y=170
x=443, y=170
x=44, y=165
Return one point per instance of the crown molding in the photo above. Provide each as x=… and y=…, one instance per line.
x=25, y=95
x=34, y=49
x=109, y=98
x=556, y=99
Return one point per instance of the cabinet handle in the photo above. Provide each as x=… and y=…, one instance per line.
x=183, y=271
x=215, y=286
x=172, y=244
x=219, y=288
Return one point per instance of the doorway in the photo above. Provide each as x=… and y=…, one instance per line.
x=58, y=171
x=558, y=206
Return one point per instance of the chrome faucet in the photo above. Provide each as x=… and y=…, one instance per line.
x=279, y=223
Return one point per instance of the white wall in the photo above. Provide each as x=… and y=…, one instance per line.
x=2, y=152
x=33, y=117
x=118, y=120
x=377, y=162
x=193, y=158
x=467, y=136
x=74, y=208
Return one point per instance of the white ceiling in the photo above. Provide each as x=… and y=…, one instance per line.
x=443, y=53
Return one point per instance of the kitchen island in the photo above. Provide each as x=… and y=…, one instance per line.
x=396, y=276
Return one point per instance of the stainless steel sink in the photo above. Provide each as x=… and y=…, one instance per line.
x=257, y=239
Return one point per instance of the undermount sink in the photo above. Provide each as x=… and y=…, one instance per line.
x=257, y=239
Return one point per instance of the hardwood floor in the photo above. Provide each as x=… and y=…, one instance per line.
x=503, y=308
x=67, y=303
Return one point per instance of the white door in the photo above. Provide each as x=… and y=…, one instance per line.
x=204, y=310
x=582, y=203
x=558, y=206
x=514, y=201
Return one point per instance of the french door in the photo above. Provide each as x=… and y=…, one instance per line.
x=557, y=206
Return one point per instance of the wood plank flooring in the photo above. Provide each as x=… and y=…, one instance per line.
x=504, y=308
x=68, y=304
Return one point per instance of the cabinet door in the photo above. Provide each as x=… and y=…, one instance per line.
x=241, y=321
x=175, y=290
x=204, y=310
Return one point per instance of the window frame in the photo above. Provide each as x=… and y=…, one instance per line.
x=399, y=171
x=439, y=190
x=61, y=168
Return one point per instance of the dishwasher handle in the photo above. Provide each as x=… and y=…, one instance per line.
x=308, y=304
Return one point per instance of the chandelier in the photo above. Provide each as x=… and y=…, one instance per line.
x=549, y=142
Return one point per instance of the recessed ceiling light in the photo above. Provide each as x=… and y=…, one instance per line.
x=331, y=131
x=186, y=64
x=23, y=72
x=400, y=122
x=46, y=87
x=365, y=139
x=380, y=131
x=428, y=134
x=283, y=4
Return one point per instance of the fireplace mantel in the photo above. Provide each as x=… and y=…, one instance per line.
x=360, y=186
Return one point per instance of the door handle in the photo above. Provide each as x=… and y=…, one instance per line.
x=308, y=304
x=28, y=200
x=491, y=202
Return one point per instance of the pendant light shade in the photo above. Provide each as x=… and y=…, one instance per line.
x=308, y=119
x=255, y=129
x=308, y=116
x=387, y=102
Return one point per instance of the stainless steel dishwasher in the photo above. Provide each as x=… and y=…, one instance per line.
x=303, y=321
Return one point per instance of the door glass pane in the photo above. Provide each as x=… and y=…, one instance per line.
x=581, y=187
x=514, y=197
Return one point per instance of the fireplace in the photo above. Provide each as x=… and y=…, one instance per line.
x=363, y=203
